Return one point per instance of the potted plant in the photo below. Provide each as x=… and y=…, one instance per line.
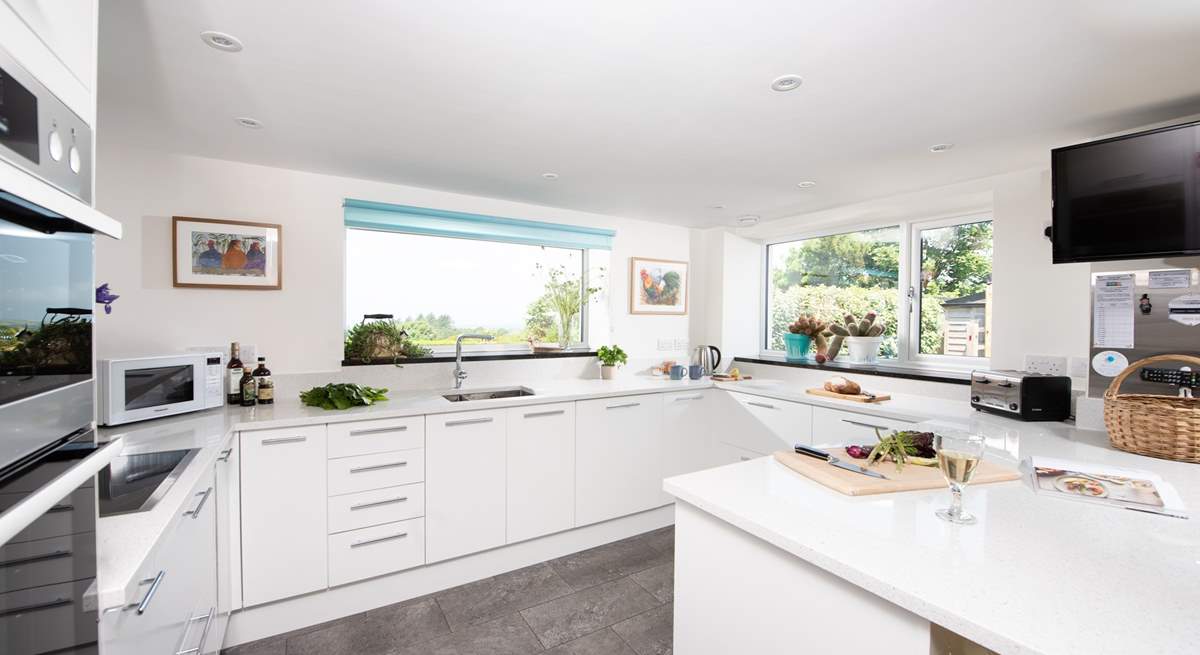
x=862, y=336
x=610, y=357
x=369, y=341
x=800, y=335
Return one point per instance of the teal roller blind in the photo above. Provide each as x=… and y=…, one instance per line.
x=369, y=215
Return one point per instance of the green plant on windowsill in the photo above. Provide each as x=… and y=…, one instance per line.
x=374, y=340
x=610, y=357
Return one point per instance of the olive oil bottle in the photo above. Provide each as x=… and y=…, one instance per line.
x=248, y=387
x=266, y=387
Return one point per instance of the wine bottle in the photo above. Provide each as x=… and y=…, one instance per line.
x=266, y=387
x=248, y=387
x=233, y=372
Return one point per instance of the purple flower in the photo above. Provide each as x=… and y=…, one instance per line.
x=105, y=297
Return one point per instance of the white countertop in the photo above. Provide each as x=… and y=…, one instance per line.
x=1035, y=575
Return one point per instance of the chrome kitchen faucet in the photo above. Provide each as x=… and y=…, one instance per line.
x=459, y=373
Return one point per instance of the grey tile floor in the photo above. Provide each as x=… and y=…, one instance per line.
x=614, y=599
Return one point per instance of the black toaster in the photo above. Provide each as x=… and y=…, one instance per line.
x=1021, y=395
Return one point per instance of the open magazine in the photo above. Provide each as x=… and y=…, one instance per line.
x=1107, y=485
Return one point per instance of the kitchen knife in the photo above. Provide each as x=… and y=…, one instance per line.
x=822, y=455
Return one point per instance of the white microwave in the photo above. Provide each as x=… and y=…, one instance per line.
x=140, y=388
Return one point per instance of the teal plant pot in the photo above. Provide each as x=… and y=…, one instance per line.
x=797, y=346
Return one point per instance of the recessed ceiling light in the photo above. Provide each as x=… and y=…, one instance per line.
x=940, y=147
x=252, y=123
x=550, y=176
x=787, y=82
x=222, y=41
x=806, y=184
x=748, y=219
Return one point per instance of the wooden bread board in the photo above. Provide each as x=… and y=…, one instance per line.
x=856, y=397
x=912, y=478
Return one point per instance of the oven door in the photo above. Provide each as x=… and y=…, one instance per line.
x=139, y=389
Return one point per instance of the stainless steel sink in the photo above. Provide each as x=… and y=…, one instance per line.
x=488, y=394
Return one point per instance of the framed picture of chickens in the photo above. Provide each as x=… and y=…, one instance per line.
x=657, y=286
x=222, y=254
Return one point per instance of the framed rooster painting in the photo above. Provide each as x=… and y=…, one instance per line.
x=657, y=286
x=222, y=254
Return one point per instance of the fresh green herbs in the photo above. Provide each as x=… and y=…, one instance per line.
x=611, y=355
x=905, y=447
x=342, y=396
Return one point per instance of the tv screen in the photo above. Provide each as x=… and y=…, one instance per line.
x=1129, y=197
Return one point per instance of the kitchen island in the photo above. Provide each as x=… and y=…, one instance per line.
x=768, y=561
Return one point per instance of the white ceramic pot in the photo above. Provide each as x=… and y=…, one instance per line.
x=608, y=372
x=863, y=350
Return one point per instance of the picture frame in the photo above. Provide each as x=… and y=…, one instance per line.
x=210, y=253
x=658, y=286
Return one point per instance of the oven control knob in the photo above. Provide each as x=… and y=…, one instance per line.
x=73, y=160
x=55, y=144
x=974, y=399
x=1012, y=406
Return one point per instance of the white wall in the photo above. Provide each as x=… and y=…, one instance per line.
x=300, y=327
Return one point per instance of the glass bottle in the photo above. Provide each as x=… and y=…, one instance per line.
x=266, y=387
x=248, y=387
x=233, y=372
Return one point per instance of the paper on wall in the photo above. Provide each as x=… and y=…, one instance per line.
x=1178, y=278
x=1112, y=311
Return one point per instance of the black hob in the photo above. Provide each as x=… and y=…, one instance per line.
x=135, y=482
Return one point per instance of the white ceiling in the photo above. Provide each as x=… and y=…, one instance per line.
x=653, y=110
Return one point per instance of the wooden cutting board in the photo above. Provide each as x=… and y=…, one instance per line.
x=912, y=478
x=856, y=397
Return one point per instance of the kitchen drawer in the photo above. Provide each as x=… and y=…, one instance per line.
x=765, y=425
x=367, y=508
x=46, y=619
x=369, y=552
x=835, y=427
x=47, y=561
x=381, y=436
x=349, y=475
x=71, y=515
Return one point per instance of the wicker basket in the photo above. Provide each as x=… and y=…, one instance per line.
x=1149, y=424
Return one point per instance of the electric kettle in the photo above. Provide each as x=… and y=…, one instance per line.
x=708, y=357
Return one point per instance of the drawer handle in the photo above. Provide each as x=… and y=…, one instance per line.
x=58, y=554
x=555, y=412
x=744, y=458
x=281, y=440
x=61, y=508
x=865, y=425
x=57, y=602
x=622, y=405
x=469, y=421
x=378, y=467
x=378, y=540
x=195, y=513
x=379, y=503
x=157, y=580
x=763, y=405
x=696, y=397
x=359, y=433
x=207, y=618
x=224, y=456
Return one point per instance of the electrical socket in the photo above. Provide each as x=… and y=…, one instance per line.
x=1079, y=367
x=1046, y=364
x=666, y=344
x=681, y=345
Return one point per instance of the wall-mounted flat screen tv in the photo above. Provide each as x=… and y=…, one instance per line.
x=1129, y=197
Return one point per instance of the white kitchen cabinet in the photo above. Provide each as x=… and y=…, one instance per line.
x=284, y=504
x=375, y=507
x=229, y=539
x=687, y=433
x=374, y=551
x=349, y=475
x=618, y=457
x=764, y=425
x=464, y=483
x=835, y=427
x=540, y=470
x=376, y=436
x=68, y=29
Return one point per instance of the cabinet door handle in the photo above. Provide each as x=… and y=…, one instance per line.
x=378, y=467
x=696, y=397
x=554, y=412
x=379, y=503
x=469, y=421
x=61, y=508
x=763, y=405
x=359, y=433
x=207, y=618
x=157, y=580
x=281, y=440
x=865, y=425
x=743, y=458
x=21, y=609
x=58, y=554
x=378, y=540
x=224, y=456
x=195, y=513
x=622, y=405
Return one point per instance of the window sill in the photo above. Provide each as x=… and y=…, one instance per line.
x=482, y=357
x=883, y=370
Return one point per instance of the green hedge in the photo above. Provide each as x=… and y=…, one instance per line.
x=831, y=303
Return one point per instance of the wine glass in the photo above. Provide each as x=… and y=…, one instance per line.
x=958, y=456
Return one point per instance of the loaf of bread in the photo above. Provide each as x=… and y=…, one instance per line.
x=839, y=384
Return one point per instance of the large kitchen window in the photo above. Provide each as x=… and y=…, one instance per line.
x=442, y=274
x=929, y=283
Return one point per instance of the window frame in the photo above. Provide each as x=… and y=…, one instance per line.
x=475, y=347
x=908, y=284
